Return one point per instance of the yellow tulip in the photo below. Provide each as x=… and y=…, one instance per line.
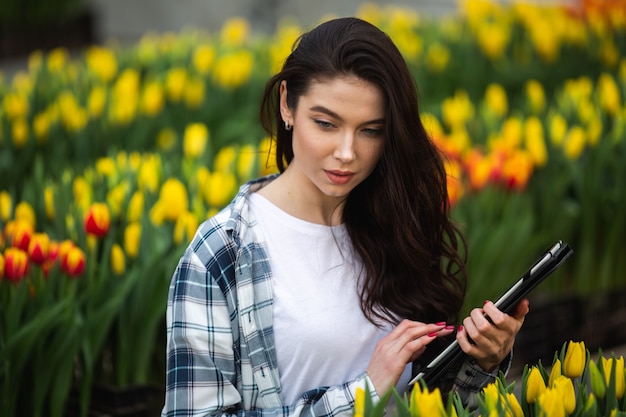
x=246, y=162
x=575, y=359
x=558, y=129
x=175, y=82
x=6, y=205
x=555, y=372
x=20, y=132
x=41, y=126
x=575, y=142
x=152, y=99
x=132, y=239
x=515, y=407
x=174, y=196
x=15, y=106
x=102, y=62
x=429, y=403
x=96, y=101
x=24, y=211
x=536, y=96
x=564, y=386
x=496, y=99
x=359, y=402
x=220, y=188
x=225, y=159
x=48, y=196
x=551, y=403
x=591, y=406
x=535, y=385
x=437, y=57
x=233, y=69
x=492, y=396
x=235, y=31
x=194, y=93
x=609, y=93
x=135, y=207
x=608, y=365
x=118, y=260
x=534, y=141
x=185, y=227
x=203, y=58
x=195, y=140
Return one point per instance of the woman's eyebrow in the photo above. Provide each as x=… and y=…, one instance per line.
x=334, y=115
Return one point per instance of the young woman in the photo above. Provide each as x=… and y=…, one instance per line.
x=338, y=272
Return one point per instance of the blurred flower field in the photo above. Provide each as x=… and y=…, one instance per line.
x=111, y=157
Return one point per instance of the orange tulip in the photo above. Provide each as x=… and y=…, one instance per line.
x=38, y=248
x=73, y=261
x=98, y=219
x=15, y=264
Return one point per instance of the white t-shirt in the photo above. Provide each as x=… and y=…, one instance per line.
x=322, y=337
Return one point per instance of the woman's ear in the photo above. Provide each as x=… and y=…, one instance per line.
x=285, y=111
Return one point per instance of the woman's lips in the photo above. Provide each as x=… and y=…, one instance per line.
x=339, y=177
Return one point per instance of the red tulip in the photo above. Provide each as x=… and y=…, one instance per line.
x=15, y=264
x=21, y=233
x=73, y=261
x=53, y=254
x=98, y=219
x=38, y=248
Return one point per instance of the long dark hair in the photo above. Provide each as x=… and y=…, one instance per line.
x=398, y=218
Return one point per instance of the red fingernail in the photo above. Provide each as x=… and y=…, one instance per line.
x=486, y=301
x=449, y=327
x=460, y=329
x=440, y=323
x=433, y=334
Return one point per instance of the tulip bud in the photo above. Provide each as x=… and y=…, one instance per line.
x=555, y=372
x=24, y=211
x=427, y=403
x=551, y=403
x=359, y=402
x=98, y=219
x=118, y=260
x=38, y=248
x=132, y=239
x=48, y=196
x=73, y=261
x=535, y=385
x=597, y=382
x=1, y=266
x=15, y=264
x=516, y=408
x=565, y=388
x=591, y=406
x=575, y=359
x=608, y=365
x=492, y=396
x=6, y=205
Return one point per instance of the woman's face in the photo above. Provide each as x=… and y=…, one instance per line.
x=338, y=134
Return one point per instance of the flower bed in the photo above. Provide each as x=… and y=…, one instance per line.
x=109, y=160
x=574, y=385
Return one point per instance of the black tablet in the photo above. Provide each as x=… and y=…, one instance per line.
x=543, y=267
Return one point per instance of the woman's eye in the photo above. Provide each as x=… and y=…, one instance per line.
x=372, y=131
x=324, y=124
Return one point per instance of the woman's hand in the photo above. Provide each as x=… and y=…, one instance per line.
x=402, y=345
x=488, y=334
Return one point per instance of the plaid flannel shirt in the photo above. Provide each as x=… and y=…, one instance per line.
x=221, y=358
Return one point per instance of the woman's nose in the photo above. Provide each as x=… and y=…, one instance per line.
x=344, y=151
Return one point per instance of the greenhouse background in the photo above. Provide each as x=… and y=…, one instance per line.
x=124, y=124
